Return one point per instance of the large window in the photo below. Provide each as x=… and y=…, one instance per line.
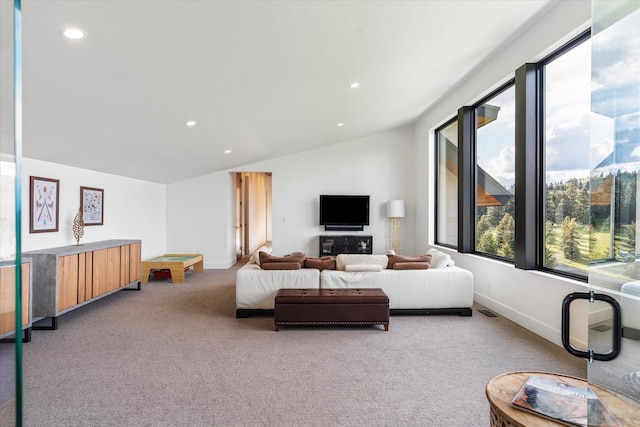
x=534, y=132
x=495, y=175
x=447, y=184
x=570, y=227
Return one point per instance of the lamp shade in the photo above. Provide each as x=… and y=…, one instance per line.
x=395, y=209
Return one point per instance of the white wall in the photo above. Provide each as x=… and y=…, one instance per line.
x=133, y=209
x=201, y=218
x=529, y=298
x=379, y=165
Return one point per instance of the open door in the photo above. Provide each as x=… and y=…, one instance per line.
x=239, y=219
x=252, y=211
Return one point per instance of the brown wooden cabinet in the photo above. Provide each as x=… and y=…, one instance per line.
x=68, y=277
x=67, y=281
x=8, y=299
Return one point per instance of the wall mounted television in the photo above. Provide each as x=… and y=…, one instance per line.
x=338, y=212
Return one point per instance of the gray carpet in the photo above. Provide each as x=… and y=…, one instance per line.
x=175, y=355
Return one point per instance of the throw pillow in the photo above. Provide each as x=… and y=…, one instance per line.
x=267, y=258
x=323, y=263
x=411, y=266
x=439, y=259
x=281, y=266
x=343, y=260
x=362, y=267
x=255, y=257
x=402, y=258
x=295, y=253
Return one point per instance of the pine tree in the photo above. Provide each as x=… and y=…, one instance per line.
x=487, y=244
x=483, y=225
x=549, y=240
x=506, y=235
x=570, y=239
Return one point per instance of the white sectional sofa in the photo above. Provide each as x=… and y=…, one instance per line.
x=256, y=288
x=442, y=288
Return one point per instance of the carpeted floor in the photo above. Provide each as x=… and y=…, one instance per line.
x=175, y=355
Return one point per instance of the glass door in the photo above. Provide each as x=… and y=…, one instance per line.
x=615, y=199
x=14, y=318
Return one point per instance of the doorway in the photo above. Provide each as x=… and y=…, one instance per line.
x=252, y=211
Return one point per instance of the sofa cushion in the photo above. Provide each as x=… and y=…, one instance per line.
x=266, y=258
x=403, y=258
x=255, y=256
x=322, y=263
x=409, y=289
x=345, y=259
x=411, y=266
x=439, y=259
x=281, y=266
x=362, y=267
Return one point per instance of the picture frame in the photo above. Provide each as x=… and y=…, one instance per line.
x=43, y=204
x=92, y=205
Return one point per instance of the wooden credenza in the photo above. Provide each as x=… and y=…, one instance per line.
x=69, y=277
x=8, y=299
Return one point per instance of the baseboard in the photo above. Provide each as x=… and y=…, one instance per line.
x=631, y=333
x=545, y=331
x=219, y=265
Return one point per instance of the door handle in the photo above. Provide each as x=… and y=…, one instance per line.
x=617, y=326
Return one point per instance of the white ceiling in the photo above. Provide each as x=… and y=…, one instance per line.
x=261, y=78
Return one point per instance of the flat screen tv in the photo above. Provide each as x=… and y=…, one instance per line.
x=344, y=211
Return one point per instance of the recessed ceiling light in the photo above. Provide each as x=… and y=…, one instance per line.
x=73, y=33
x=340, y=124
x=191, y=123
x=227, y=151
x=354, y=85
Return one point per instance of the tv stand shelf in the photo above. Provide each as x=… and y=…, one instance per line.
x=347, y=244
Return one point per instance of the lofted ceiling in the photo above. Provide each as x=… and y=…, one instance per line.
x=262, y=79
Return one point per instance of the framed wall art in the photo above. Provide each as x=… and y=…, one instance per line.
x=43, y=204
x=92, y=205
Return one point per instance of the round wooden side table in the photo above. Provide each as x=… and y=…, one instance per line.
x=501, y=390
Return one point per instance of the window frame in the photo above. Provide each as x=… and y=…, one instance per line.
x=541, y=181
x=467, y=179
x=529, y=175
x=437, y=131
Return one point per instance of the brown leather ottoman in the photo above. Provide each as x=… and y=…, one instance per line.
x=331, y=307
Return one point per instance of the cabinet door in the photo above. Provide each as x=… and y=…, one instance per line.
x=8, y=298
x=100, y=269
x=124, y=265
x=67, y=281
x=113, y=268
x=85, y=276
x=134, y=262
x=82, y=278
x=88, y=275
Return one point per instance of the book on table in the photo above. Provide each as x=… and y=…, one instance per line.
x=563, y=403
